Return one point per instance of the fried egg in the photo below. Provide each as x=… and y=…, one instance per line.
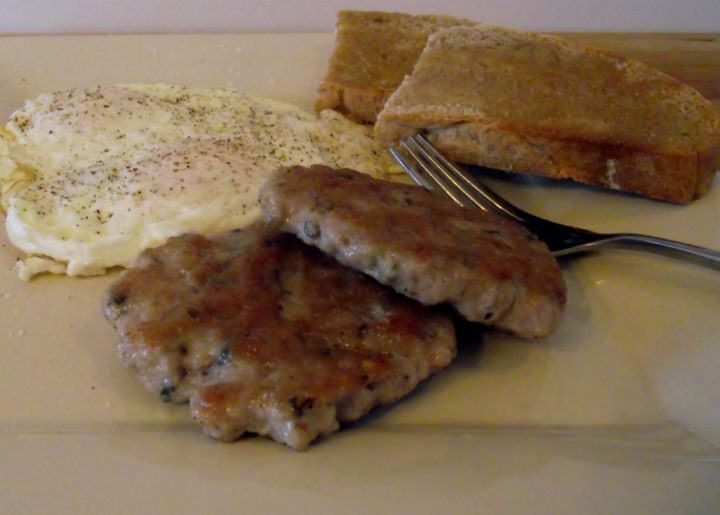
x=90, y=177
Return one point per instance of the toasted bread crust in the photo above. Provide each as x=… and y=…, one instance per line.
x=360, y=104
x=373, y=53
x=678, y=179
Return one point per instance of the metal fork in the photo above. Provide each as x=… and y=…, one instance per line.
x=430, y=169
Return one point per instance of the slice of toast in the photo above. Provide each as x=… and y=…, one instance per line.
x=541, y=104
x=373, y=53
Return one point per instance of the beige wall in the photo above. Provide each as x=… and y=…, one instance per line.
x=73, y=16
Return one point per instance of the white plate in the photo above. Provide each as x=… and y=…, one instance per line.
x=617, y=413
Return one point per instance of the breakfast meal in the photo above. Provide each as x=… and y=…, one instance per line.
x=420, y=243
x=90, y=177
x=264, y=334
x=280, y=278
x=526, y=103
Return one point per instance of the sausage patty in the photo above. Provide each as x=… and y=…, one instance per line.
x=489, y=268
x=264, y=334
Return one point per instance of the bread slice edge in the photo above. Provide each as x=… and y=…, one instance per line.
x=673, y=178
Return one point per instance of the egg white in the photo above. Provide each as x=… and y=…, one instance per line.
x=90, y=177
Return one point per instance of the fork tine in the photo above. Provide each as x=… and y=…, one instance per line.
x=437, y=176
x=416, y=176
x=445, y=169
x=480, y=193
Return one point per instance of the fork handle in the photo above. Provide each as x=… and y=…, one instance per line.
x=683, y=251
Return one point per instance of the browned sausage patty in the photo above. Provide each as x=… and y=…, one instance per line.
x=420, y=243
x=264, y=334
